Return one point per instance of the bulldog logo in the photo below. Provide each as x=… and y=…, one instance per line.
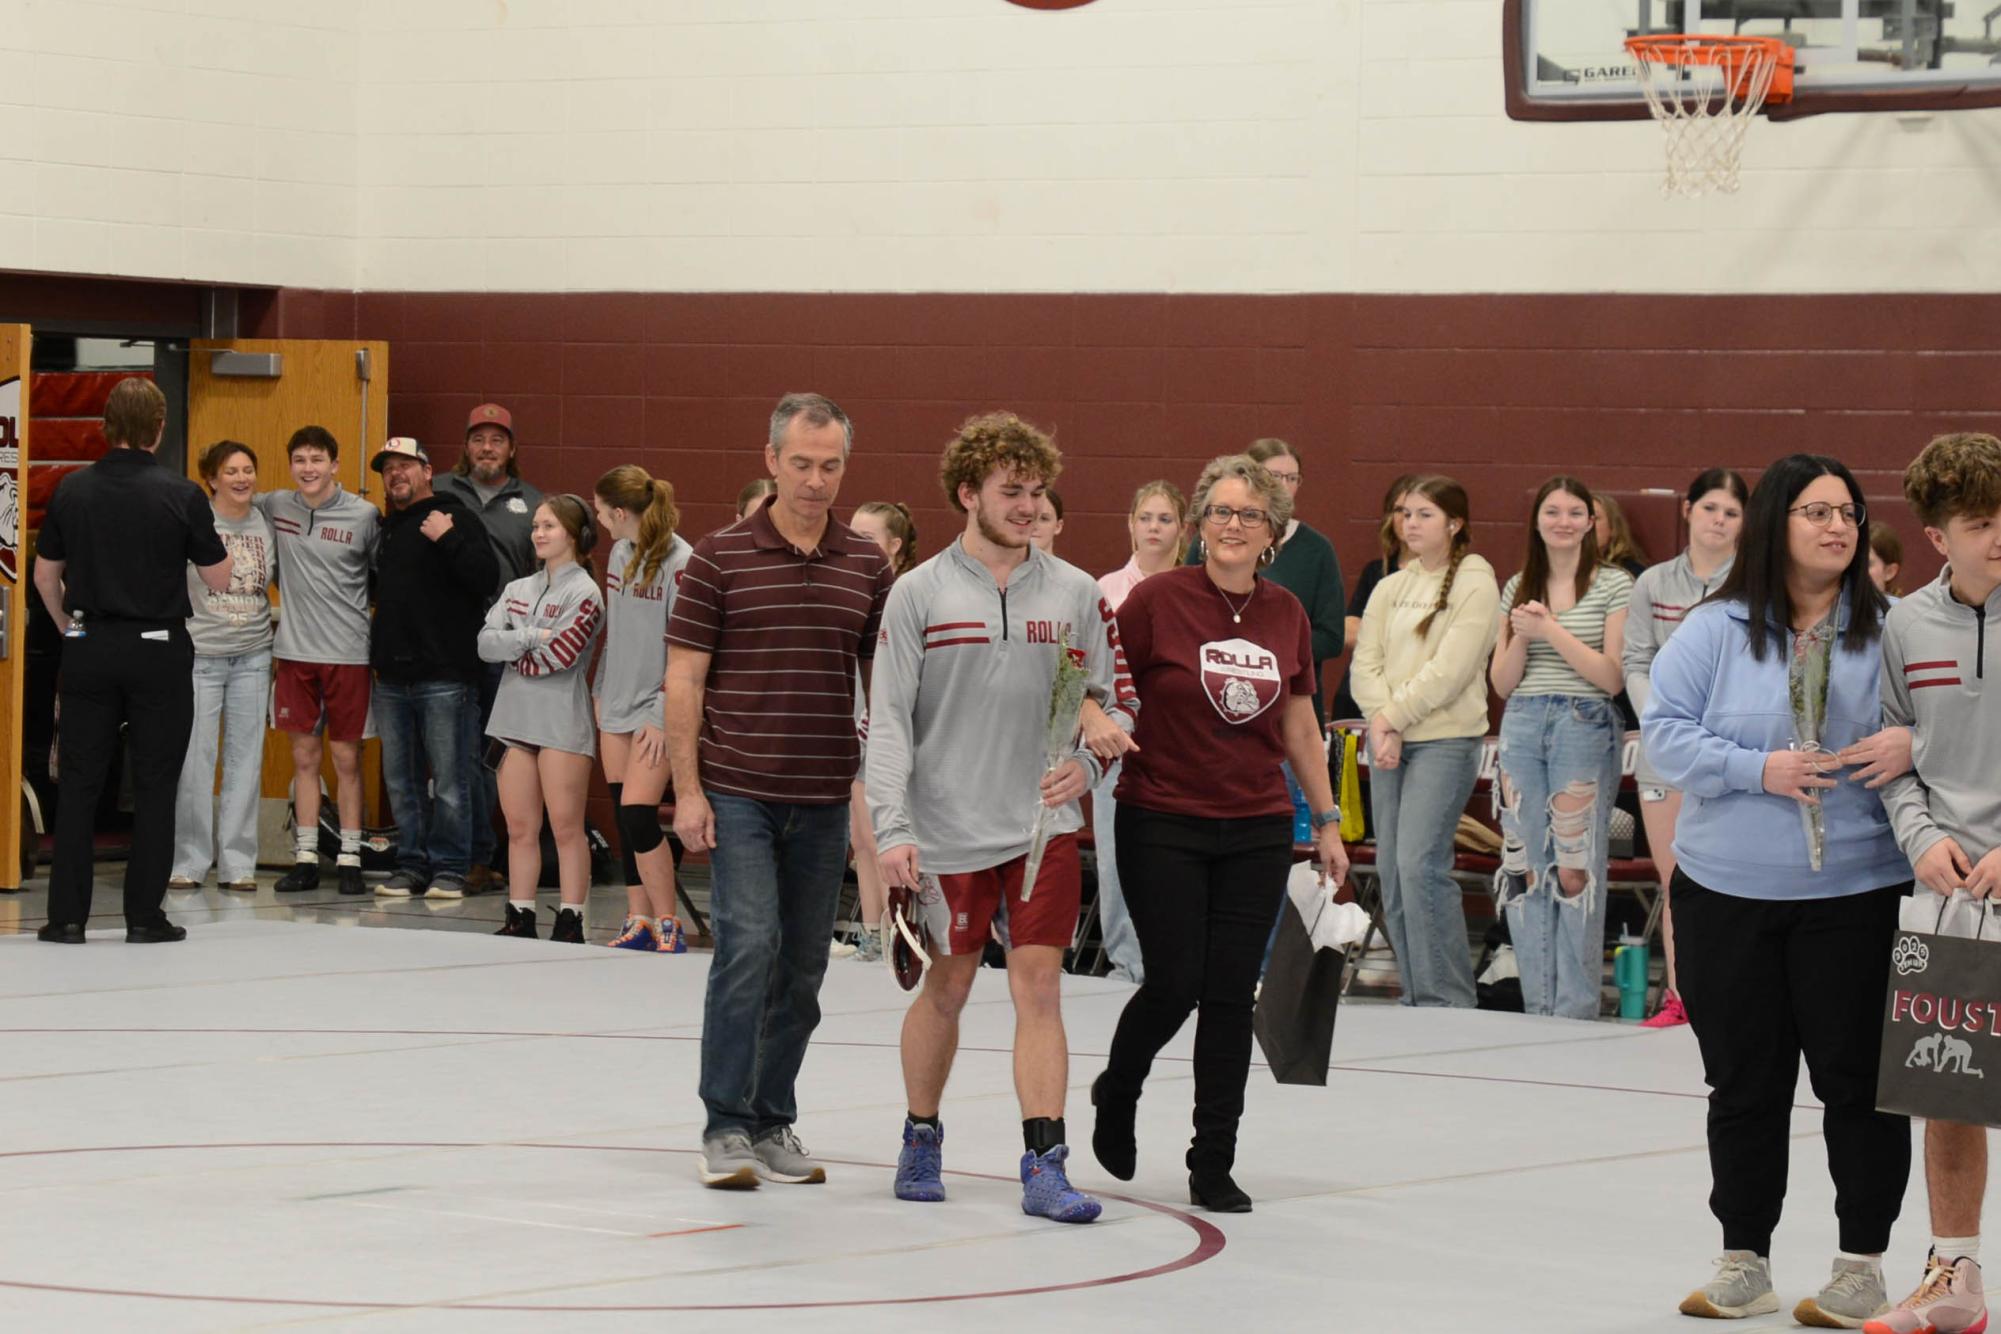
x=1910, y=956
x=1240, y=678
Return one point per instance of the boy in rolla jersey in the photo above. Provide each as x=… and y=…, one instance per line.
x=958, y=711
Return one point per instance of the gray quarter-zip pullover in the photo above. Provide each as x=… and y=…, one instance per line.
x=1937, y=652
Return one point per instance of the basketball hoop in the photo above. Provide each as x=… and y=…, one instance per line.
x=1705, y=91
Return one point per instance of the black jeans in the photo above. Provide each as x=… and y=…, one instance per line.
x=1203, y=894
x=1765, y=982
x=115, y=676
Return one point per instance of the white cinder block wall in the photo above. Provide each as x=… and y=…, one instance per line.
x=921, y=145
x=203, y=139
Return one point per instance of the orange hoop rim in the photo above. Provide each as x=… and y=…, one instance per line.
x=1731, y=53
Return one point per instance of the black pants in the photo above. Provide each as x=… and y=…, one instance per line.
x=114, y=676
x=1203, y=895
x=1766, y=982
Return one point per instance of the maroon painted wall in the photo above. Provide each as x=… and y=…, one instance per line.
x=1500, y=391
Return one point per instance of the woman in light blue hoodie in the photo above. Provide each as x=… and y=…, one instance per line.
x=1787, y=880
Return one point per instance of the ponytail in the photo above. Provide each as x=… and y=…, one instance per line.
x=632, y=489
x=896, y=520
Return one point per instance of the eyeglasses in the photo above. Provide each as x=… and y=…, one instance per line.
x=1820, y=514
x=1220, y=515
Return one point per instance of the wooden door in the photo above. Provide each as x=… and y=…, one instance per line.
x=14, y=589
x=319, y=382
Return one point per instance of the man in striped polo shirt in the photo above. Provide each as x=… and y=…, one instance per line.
x=774, y=614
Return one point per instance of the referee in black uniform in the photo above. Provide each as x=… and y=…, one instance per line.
x=112, y=564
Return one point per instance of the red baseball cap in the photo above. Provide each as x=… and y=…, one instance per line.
x=491, y=414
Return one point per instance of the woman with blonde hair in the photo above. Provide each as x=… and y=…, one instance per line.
x=1156, y=522
x=1417, y=676
x=888, y=524
x=543, y=628
x=641, y=577
x=1616, y=543
x=1222, y=658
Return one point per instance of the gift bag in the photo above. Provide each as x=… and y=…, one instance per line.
x=1295, y=1014
x=1942, y=1016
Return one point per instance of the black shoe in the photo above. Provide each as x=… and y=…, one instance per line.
x=349, y=878
x=1113, y=1138
x=302, y=877
x=569, y=927
x=1215, y=1191
x=520, y=922
x=61, y=933
x=157, y=932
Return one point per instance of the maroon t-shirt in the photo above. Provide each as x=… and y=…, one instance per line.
x=1212, y=694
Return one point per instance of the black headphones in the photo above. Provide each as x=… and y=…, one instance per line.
x=587, y=530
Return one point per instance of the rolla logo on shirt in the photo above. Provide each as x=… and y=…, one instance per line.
x=1240, y=678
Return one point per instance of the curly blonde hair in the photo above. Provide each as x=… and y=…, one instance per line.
x=996, y=440
x=1277, y=501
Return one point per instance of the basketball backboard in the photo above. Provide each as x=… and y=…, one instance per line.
x=1566, y=59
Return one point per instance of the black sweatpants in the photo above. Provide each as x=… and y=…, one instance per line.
x=1203, y=894
x=115, y=676
x=1766, y=982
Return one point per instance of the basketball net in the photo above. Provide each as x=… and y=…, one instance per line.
x=1705, y=92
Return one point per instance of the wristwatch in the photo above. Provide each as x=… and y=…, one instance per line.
x=1325, y=818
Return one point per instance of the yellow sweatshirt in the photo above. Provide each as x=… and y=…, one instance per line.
x=1430, y=686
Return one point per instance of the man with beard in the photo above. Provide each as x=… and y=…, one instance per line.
x=434, y=575
x=971, y=642
x=487, y=478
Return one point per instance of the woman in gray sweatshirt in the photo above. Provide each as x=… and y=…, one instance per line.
x=543, y=627
x=640, y=579
x=1662, y=595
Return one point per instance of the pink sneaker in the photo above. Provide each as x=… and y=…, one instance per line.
x=1949, y=1300
x=1670, y=1015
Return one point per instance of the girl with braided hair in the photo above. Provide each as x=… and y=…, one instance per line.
x=1418, y=678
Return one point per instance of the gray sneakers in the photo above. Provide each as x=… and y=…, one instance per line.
x=728, y=1163
x=782, y=1158
x=1854, y=1293
x=1742, y=1286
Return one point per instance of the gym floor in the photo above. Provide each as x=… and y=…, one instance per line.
x=289, y=1121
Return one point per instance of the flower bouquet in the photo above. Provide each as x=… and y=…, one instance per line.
x=1059, y=744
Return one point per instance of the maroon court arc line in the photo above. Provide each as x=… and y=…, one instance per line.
x=1209, y=1242
x=818, y=1042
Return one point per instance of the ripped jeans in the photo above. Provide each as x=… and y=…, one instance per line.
x=1559, y=773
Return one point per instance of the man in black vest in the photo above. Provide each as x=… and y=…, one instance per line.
x=112, y=564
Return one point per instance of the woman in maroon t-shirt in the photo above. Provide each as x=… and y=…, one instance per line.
x=1222, y=661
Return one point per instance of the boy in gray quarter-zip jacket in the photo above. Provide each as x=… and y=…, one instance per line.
x=961, y=693
x=958, y=773
x=1938, y=653
x=544, y=698
x=1940, y=645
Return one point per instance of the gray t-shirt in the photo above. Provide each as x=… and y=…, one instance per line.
x=633, y=662
x=238, y=619
x=324, y=554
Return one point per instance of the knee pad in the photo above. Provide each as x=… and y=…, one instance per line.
x=639, y=828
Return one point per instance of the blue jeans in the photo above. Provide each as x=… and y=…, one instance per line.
x=1115, y=921
x=429, y=724
x=775, y=886
x=234, y=692
x=1417, y=806
x=1558, y=777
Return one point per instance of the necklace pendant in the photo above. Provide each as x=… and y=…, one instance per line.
x=1236, y=619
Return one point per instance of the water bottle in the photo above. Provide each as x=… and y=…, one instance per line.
x=1302, y=815
x=1629, y=969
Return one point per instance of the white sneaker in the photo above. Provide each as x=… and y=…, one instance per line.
x=782, y=1158
x=839, y=949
